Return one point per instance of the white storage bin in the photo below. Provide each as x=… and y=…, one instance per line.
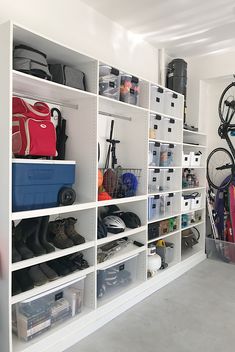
x=168, y=129
x=154, y=153
x=154, y=204
x=195, y=159
x=40, y=313
x=185, y=203
x=155, y=130
x=157, y=99
x=186, y=159
x=196, y=202
x=111, y=279
x=109, y=82
x=173, y=104
x=166, y=179
x=153, y=180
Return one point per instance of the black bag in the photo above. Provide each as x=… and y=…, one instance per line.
x=177, y=76
x=31, y=61
x=68, y=76
x=61, y=136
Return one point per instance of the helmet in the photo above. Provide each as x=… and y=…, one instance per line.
x=114, y=224
x=101, y=230
x=131, y=220
x=109, y=210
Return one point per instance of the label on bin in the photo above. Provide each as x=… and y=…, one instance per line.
x=121, y=267
x=111, y=84
x=132, y=91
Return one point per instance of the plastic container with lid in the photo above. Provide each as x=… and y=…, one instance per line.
x=154, y=153
x=129, y=89
x=109, y=82
x=173, y=104
x=155, y=129
x=169, y=199
x=157, y=99
x=153, y=180
x=168, y=128
x=167, y=155
x=166, y=179
x=153, y=207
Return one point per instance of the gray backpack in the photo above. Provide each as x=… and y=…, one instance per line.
x=31, y=61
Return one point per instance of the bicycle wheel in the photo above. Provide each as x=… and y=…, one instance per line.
x=227, y=103
x=220, y=167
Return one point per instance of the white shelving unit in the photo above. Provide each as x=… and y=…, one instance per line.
x=86, y=125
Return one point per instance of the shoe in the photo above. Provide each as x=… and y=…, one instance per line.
x=68, y=263
x=16, y=289
x=19, y=243
x=37, y=276
x=71, y=232
x=57, y=236
x=58, y=267
x=79, y=261
x=43, y=235
x=16, y=257
x=24, y=280
x=33, y=239
x=49, y=272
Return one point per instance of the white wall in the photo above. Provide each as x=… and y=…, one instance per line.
x=77, y=25
x=200, y=71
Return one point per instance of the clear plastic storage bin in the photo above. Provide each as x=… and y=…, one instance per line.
x=157, y=99
x=129, y=89
x=220, y=250
x=167, y=155
x=112, y=279
x=166, y=179
x=166, y=252
x=154, y=207
x=155, y=130
x=153, y=180
x=169, y=200
x=42, y=312
x=154, y=153
x=168, y=129
x=109, y=82
x=195, y=159
x=173, y=103
x=186, y=159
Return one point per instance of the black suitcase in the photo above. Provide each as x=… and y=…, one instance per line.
x=177, y=76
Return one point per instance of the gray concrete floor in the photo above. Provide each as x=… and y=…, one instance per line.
x=194, y=313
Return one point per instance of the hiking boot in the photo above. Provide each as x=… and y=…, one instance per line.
x=58, y=267
x=24, y=280
x=43, y=235
x=16, y=257
x=19, y=243
x=49, y=272
x=37, y=276
x=33, y=239
x=57, y=236
x=71, y=232
x=79, y=261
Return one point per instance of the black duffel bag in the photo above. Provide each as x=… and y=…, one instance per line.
x=68, y=76
x=31, y=61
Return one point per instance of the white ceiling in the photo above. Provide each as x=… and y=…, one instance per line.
x=183, y=27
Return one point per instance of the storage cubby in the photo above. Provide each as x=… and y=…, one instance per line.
x=162, y=128
x=193, y=178
x=198, y=233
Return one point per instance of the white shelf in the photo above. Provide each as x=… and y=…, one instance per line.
x=164, y=218
x=164, y=192
x=44, y=90
x=51, y=285
x=127, y=233
x=193, y=167
x=192, y=189
x=165, y=115
x=192, y=211
x=165, y=167
x=192, y=225
x=190, y=252
x=114, y=106
x=194, y=145
x=124, y=254
x=164, y=141
x=46, y=257
x=194, y=132
x=51, y=211
x=164, y=236
x=103, y=203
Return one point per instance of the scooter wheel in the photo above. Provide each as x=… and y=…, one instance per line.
x=66, y=196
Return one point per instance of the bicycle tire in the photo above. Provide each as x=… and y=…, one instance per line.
x=221, y=100
x=219, y=185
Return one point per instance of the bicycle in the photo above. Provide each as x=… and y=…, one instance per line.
x=221, y=161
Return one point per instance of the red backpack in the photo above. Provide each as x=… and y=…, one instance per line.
x=33, y=133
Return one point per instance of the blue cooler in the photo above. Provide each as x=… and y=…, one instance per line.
x=36, y=183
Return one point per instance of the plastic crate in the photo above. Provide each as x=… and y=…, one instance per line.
x=155, y=130
x=153, y=180
x=42, y=312
x=36, y=183
x=157, y=99
x=173, y=104
x=129, y=89
x=154, y=153
x=109, y=82
x=220, y=250
x=112, y=279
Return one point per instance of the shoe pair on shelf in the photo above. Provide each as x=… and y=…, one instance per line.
x=37, y=275
x=62, y=233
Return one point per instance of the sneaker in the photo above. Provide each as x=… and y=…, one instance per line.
x=71, y=232
x=57, y=236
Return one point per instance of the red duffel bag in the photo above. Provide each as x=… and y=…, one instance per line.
x=33, y=133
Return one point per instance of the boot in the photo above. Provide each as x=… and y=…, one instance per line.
x=57, y=236
x=43, y=235
x=37, y=275
x=19, y=242
x=24, y=280
x=71, y=232
x=16, y=257
x=33, y=240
